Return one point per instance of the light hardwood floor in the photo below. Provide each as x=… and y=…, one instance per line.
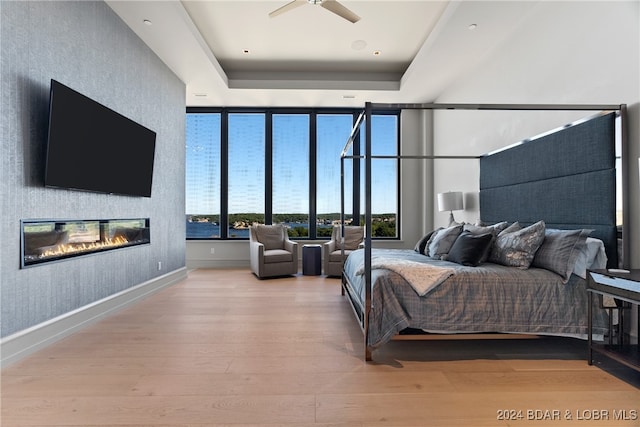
x=224, y=348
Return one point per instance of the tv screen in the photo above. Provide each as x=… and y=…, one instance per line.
x=91, y=147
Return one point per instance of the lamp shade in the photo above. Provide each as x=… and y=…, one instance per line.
x=450, y=201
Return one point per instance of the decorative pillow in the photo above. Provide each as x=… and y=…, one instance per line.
x=592, y=256
x=509, y=229
x=559, y=251
x=481, y=229
x=513, y=227
x=518, y=248
x=422, y=243
x=494, y=229
x=470, y=249
x=442, y=240
x=271, y=236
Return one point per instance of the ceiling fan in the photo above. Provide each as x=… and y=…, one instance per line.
x=330, y=5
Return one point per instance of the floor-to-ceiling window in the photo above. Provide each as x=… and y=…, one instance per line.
x=290, y=172
x=332, y=131
x=202, y=177
x=246, y=177
x=384, y=173
x=283, y=166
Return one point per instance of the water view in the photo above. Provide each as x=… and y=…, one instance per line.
x=208, y=227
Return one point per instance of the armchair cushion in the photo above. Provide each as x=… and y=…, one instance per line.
x=353, y=236
x=277, y=255
x=271, y=236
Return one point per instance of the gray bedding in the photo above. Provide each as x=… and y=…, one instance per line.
x=487, y=298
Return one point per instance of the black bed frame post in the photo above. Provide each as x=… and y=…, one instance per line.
x=342, y=216
x=626, y=209
x=367, y=236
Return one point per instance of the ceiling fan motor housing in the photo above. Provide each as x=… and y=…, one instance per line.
x=332, y=6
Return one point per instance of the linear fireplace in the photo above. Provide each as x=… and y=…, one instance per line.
x=53, y=240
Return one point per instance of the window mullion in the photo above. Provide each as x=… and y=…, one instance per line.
x=356, y=176
x=312, y=175
x=224, y=175
x=268, y=168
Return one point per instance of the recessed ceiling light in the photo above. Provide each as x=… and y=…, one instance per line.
x=473, y=26
x=358, y=45
x=147, y=22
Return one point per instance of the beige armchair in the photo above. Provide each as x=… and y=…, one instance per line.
x=332, y=253
x=271, y=252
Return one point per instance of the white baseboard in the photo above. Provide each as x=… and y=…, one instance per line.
x=21, y=344
x=193, y=264
x=210, y=263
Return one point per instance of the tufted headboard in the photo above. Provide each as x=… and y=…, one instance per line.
x=566, y=178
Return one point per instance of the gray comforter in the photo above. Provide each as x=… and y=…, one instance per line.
x=487, y=298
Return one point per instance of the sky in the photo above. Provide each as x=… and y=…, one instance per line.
x=290, y=157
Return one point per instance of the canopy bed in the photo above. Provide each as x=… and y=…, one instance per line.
x=547, y=214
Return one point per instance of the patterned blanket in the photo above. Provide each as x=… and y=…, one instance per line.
x=422, y=277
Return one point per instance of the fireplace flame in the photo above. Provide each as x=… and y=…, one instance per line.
x=71, y=248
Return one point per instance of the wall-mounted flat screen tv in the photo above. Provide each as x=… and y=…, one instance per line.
x=93, y=148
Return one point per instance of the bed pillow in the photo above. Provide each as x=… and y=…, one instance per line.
x=479, y=229
x=470, y=249
x=513, y=227
x=422, y=243
x=592, y=256
x=442, y=240
x=509, y=229
x=560, y=250
x=517, y=248
x=494, y=229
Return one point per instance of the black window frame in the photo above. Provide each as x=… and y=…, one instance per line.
x=313, y=113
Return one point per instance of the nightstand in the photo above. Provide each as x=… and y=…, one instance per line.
x=623, y=286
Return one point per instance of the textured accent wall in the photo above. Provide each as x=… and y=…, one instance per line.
x=84, y=45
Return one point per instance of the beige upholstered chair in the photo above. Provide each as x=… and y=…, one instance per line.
x=271, y=251
x=332, y=253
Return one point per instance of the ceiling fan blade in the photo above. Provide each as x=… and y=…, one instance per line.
x=287, y=7
x=340, y=10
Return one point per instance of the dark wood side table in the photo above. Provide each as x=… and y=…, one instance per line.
x=623, y=286
x=311, y=260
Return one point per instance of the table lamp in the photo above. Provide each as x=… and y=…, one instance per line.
x=450, y=201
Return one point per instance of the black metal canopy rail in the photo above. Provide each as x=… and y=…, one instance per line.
x=368, y=156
